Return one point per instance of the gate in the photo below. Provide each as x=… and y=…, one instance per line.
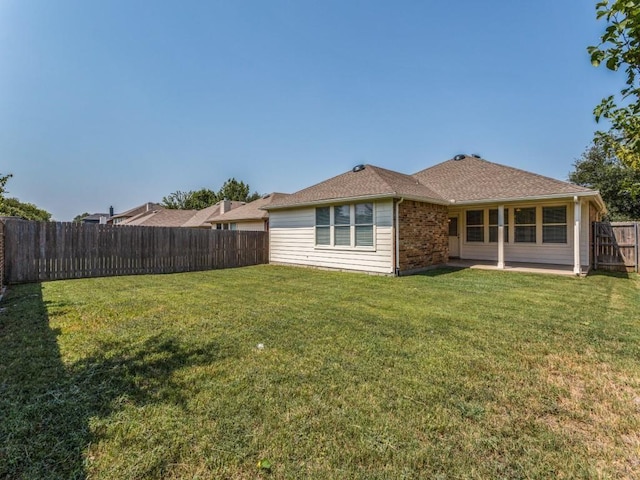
x=615, y=246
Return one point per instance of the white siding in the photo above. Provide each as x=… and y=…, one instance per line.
x=254, y=226
x=292, y=241
x=559, y=254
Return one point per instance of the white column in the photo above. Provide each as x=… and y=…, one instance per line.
x=577, y=216
x=500, y=236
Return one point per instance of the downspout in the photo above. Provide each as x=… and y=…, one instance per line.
x=398, y=236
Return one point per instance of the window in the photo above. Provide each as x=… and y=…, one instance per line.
x=525, y=225
x=342, y=229
x=475, y=225
x=345, y=225
x=364, y=224
x=493, y=225
x=323, y=226
x=554, y=224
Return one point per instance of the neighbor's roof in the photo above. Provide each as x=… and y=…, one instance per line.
x=370, y=182
x=163, y=217
x=252, y=210
x=203, y=217
x=140, y=209
x=476, y=179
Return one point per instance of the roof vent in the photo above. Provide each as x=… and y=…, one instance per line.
x=358, y=168
x=460, y=156
x=475, y=155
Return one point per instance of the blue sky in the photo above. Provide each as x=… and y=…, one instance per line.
x=122, y=102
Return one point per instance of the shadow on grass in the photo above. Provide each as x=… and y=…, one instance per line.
x=436, y=272
x=608, y=273
x=46, y=405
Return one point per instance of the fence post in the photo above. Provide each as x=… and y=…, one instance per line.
x=637, y=243
x=1, y=256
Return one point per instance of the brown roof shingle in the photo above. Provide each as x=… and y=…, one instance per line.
x=467, y=179
x=250, y=211
x=371, y=181
x=476, y=179
x=163, y=217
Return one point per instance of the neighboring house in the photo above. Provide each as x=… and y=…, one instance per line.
x=250, y=216
x=376, y=220
x=160, y=217
x=100, y=218
x=202, y=219
x=121, y=217
x=94, y=218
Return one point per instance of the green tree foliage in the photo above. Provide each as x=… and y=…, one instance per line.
x=15, y=208
x=232, y=189
x=619, y=49
x=12, y=207
x=619, y=184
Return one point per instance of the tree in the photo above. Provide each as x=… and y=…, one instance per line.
x=619, y=184
x=235, y=190
x=191, y=200
x=12, y=207
x=619, y=48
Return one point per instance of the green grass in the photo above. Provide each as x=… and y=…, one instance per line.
x=454, y=374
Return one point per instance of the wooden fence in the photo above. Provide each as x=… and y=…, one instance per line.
x=38, y=251
x=615, y=246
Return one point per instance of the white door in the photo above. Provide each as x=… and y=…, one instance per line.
x=454, y=238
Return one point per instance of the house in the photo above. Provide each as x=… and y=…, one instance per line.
x=160, y=217
x=202, y=219
x=250, y=216
x=99, y=218
x=376, y=220
x=121, y=217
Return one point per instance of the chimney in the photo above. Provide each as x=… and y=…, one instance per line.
x=225, y=206
x=111, y=211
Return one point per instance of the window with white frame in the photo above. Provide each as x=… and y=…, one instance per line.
x=475, y=225
x=364, y=224
x=554, y=224
x=524, y=220
x=323, y=226
x=349, y=225
x=493, y=225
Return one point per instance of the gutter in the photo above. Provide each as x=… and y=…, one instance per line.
x=333, y=201
x=397, y=269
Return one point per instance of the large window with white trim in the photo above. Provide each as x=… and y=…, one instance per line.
x=345, y=226
x=475, y=225
x=554, y=224
x=524, y=220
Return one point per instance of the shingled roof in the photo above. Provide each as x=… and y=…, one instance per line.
x=203, y=217
x=476, y=179
x=460, y=180
x=162, y=217
x=368, y=182
x=250, y=211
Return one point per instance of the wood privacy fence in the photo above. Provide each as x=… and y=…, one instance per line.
x=38, y=251
x=615, y=246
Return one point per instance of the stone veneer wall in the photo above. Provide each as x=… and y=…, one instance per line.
x=424, y=235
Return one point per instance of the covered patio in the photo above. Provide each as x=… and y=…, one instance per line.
x=516, y=267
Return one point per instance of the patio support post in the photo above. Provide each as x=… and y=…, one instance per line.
x=577, y=215
x=500, y=236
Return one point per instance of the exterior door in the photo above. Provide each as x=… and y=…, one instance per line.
x=454, y=238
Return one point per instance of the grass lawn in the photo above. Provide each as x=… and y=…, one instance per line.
x=454, y=374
